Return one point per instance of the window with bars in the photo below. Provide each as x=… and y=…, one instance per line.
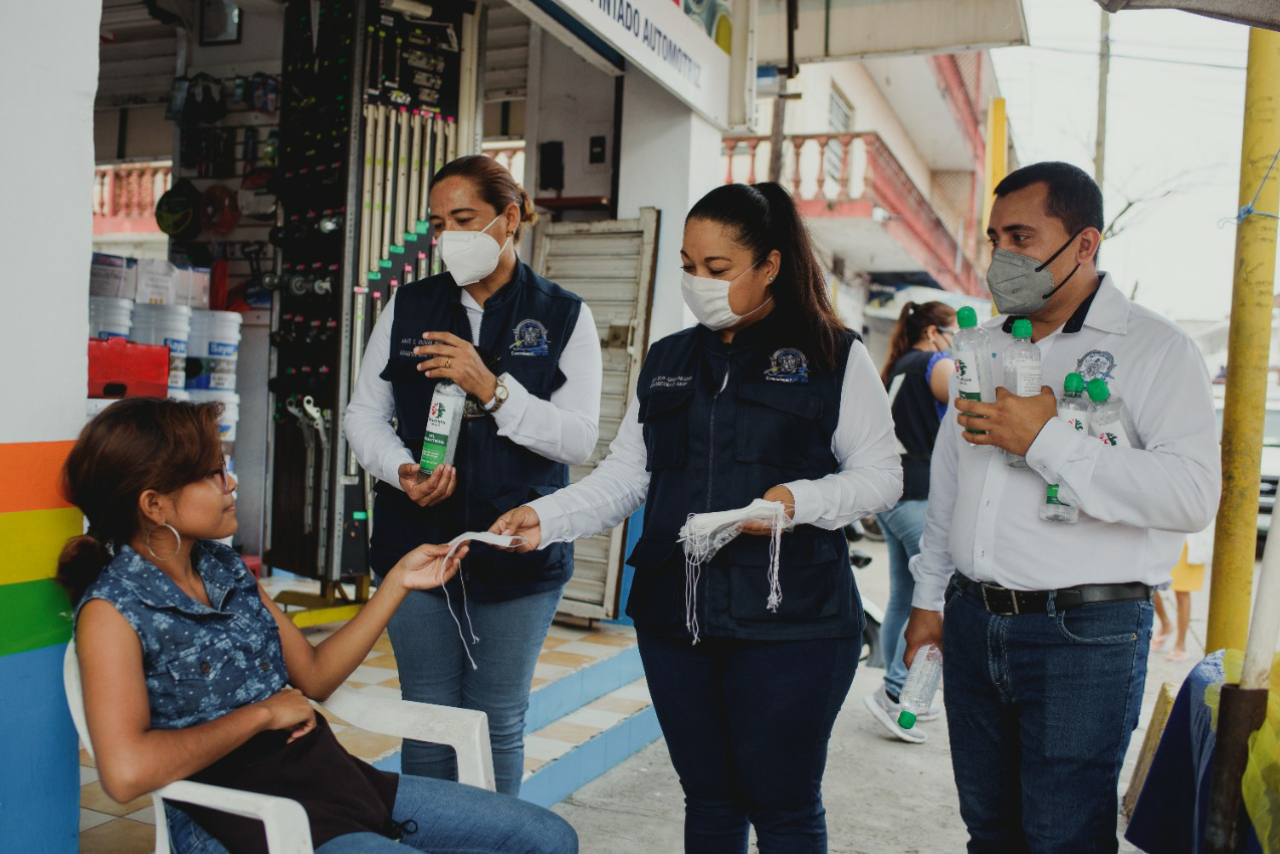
x=839, y=120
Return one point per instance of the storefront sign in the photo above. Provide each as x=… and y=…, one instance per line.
x=685, y=48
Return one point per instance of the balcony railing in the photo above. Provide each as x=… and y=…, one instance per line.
x=868, y=173
x=129, y=191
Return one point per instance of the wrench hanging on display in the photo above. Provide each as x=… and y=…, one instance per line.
x=320, y=425
x=309, y=441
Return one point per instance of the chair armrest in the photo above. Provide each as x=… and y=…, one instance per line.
x=288, y=831
x=465, y=730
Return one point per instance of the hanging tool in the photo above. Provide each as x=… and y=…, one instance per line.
x=415, y=169
x=403, y=204
x=320, y=425
x=357, y=352
x=375, y=223
x=366, y=194
x=309, y=441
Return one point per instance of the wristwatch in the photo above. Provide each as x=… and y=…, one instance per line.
x=499, y=397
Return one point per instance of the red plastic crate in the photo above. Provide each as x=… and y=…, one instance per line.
x=120, y=368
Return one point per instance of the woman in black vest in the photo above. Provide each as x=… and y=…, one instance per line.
x=917, y=373
x=768, y=396
x=527, y=354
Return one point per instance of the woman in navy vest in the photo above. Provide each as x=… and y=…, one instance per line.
x=527, y=354
x=768, y=396
x=917, y=373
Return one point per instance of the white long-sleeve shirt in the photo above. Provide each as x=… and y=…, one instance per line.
x=1136, y=506
x=564, y=428
x=869, y=477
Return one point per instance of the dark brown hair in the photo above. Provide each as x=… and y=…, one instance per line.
x=764, y=218
x=494, y=184
x=133, y=445
x=914, y=319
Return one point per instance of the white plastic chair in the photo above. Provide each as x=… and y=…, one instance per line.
x=288, y=832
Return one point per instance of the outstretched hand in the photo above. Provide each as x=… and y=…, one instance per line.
x=425, y=567
x=520, y=522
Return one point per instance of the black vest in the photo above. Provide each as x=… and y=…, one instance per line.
x=717, y=443
x=915, y=421
x=526, y=326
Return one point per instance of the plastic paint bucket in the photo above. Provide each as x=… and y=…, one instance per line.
x=212, y=350
x=230, y=409
x=110, y=317
x=169, y=325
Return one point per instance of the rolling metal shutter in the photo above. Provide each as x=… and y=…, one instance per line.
x=610, y=264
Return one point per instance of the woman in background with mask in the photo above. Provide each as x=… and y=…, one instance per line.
x=527, y=354
x=769, y=396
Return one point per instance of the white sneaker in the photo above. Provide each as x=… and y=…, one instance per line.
x=886, y=711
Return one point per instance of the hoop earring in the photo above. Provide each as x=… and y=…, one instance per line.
x=176, y=536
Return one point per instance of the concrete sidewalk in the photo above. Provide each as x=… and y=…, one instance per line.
x=883, y=796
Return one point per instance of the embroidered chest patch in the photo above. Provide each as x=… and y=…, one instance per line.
x=1096, y=364
x=530, y=339
x=787, y=365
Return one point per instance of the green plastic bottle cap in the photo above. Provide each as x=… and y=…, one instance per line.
x=1073, y=384
x=967, y=318
x=906, y=720
x=1098, y=391
x=1022, y=328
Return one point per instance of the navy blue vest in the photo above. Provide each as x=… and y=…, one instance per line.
x=525, y=328
x=717, y=443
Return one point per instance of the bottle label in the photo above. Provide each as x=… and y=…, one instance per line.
x=435, y=444
x=967, y=375
x=1115, y=435
x=1026, y=381
x=1079, y=421
x=1051, y=496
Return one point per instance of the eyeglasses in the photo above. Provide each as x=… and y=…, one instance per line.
x=223, y=477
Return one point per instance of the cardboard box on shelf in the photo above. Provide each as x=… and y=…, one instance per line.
x=113, y=276
x=163, y=283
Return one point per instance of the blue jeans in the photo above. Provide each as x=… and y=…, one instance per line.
x=434, y=669
x=747, y=724
x=1040, y=708
x=902, y=526
x=446, y=817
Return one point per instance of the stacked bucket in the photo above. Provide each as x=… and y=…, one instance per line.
x=203, y=349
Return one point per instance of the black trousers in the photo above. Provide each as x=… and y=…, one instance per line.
x=747, y=724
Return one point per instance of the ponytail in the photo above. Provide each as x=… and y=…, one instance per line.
x=765, y=218
x=81, y=562
x=909, y=329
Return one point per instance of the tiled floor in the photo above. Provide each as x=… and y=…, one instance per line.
x=110, y=828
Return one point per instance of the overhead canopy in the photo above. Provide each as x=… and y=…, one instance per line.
x=851, y=29
x=1254, y=13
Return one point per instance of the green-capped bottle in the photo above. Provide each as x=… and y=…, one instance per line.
x=971, y=350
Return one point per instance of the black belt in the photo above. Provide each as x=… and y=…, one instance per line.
x=1006, y=602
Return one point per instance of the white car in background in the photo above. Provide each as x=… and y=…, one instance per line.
x=1270, y=460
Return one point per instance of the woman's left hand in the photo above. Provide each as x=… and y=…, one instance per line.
x=778, y=493
x=457, y=360
x=424, y=568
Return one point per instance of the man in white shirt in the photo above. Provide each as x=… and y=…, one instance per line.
x=1047, y=624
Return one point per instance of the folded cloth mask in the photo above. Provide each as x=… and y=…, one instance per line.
x=455, y=544
x=704, y=534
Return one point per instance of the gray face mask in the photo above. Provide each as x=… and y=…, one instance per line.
x=1020, y=284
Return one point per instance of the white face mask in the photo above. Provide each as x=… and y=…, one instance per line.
x=470, y=255
x=708, y=299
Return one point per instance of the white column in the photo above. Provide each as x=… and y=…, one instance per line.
x=670, y=158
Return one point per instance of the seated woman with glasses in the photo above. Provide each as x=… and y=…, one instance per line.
x=191, y=672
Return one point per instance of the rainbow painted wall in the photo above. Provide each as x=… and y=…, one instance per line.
x=45, y=244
